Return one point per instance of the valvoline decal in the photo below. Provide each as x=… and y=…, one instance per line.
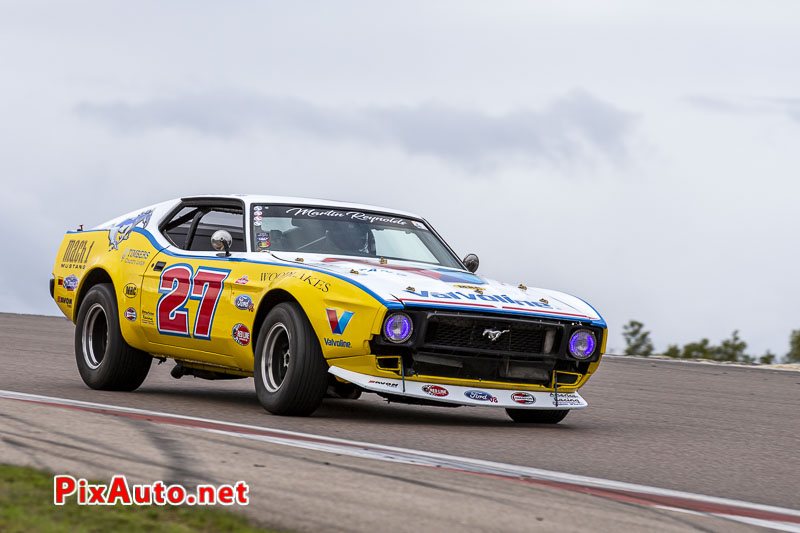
x=500, y=298
x=338, y=323
x=480, y=395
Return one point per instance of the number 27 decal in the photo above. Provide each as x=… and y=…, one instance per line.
x=178, y=284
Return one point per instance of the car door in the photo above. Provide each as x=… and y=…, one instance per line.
x=187, y=287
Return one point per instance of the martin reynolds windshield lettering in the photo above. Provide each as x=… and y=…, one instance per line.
x=503, y=298
x=335, y=214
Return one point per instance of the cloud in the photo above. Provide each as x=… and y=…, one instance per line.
x=570, y=128
x=789, y=107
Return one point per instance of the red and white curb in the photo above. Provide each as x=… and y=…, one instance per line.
x=768, y=516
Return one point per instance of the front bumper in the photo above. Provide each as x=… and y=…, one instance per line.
x=461, y=395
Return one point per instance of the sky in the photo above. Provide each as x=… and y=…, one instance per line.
x=641, y=155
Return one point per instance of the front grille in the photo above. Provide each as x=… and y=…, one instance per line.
x=452, y=344
x=473, y=334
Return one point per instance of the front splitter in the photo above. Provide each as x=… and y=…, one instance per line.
x=457, y=394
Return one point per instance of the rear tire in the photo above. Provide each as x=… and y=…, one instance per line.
x=291, y=375
x=105, y=361
x=537, y=416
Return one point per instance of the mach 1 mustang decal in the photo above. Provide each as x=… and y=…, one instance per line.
x=178, y=284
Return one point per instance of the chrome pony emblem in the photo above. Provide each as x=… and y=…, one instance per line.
x=494, y=334
x=123, y=230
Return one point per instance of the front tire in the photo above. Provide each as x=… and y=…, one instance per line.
x=105, y=361
x=291, y=375
x=537, y=416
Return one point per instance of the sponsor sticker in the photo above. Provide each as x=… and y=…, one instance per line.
x=65, y=301
x=525, y=398
x=244, y=302
x=337, y=342
x=317, y=283
x=241, y=334
x=262, y=239
x=418, y=225
x=243, y=280
x=130, y=290
x=148, y=318
x=480, y=396
x=338, y=323
x=566, y=398
x=71, y=282
x=134, y=257
x=435, y=390
x=383, y=383
x=275, y=276
x=130, y=314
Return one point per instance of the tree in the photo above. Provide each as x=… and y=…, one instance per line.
x=673, y=350
x=698, y=350
x=732, y=349
x=794, y=347
x=767, y=359
x=637, y=341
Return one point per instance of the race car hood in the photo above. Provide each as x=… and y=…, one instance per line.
x=421, y=285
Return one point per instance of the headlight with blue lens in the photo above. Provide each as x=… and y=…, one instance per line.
x=398, y=327
x=582, y=344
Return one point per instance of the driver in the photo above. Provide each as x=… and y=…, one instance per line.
x=349, y=237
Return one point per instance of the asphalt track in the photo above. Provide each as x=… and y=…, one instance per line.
x=715, y=430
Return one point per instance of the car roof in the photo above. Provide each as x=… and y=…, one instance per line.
x=300, y=201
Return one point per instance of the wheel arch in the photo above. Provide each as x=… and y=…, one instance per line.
x=267, y=303
x=93, y=277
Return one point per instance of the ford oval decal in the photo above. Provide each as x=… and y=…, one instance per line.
x=480, y=396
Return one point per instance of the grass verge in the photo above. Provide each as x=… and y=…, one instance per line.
x=26, y=505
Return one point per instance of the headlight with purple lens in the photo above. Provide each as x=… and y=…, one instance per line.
x=398, y=327
x=582, y=344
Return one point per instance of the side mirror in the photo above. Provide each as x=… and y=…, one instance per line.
x=222, y=240
x=471, y=262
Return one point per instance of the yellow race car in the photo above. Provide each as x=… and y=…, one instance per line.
x=314, y=297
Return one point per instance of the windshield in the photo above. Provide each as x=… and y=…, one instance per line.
x=322, y=230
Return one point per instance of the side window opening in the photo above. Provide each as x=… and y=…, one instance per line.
x=177, y=229
x=215, y=219
x=192, y=226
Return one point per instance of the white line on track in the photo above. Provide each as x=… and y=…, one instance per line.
x=779, y=518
